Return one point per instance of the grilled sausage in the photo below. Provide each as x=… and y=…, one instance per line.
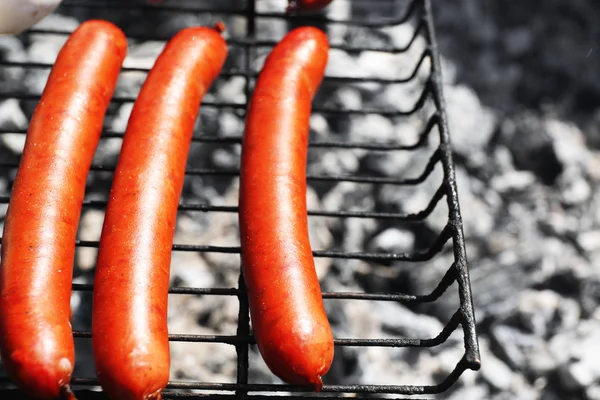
x=286, y=307
x=307, y=5
x=38, y=245
x=129, y=320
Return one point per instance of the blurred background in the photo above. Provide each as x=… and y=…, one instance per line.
x=528, y=73
x=521, y=82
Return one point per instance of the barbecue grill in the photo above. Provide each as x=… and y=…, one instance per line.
x=247, y=46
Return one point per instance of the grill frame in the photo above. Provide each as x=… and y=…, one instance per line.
x=453, y=231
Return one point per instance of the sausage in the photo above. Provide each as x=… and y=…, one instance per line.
x=129, y=317
x=286, y=307
x=307, y=5
x=38, y=244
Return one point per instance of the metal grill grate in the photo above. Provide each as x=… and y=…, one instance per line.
x=417, y=14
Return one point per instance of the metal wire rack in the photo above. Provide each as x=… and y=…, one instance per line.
x=415, y=12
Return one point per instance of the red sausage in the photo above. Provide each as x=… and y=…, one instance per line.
x=129, y=321
x=307, y=5
x=38, y=245
x=286, y=307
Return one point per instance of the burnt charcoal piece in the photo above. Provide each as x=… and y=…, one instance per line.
x=531, y=147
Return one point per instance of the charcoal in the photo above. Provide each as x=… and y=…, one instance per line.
x=341, y=64
x=346, y=98
x=365, y=37
x=590, y=295
x=513, y=181
x=401, y=165
x=575, y=352
x=494, y=285
x=90, y=227
x=402, y=98
x=213, y=362
x=545, y=313
x=340, y=11
x=12, y=118
x=372, y=127
x=258, y=371
x=577, y=375
x=190, y=270
x=362, y=10
x=11, y=49
x=565, y=283
x=471, y=123
x=532, y=148
x=394, y=240
x=232, y=90
x=471, y=393
x=495, y=371
x=230, y=125
x=592, y=130
x=518, y=41
x=574, y=189
x=398, y=320
x=345, y=366
x=332, y=163
x=593, y=392
x=521, y=351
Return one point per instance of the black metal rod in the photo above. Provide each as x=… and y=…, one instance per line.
x=242, y=340
x=237, y=42
x=417, y=256
x=14, y=394
x=321, y=178
x=236, y=140
x=237, y=12
x=243, y=326
x=245, y=73
x=404, y=217
x=360, y=389
x=460, y=255
x=395, y=297
x=448, y=279
x=242, y=106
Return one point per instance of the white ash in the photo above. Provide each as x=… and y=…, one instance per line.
x=12, y=118
x=12, y=49
x=232, y=90
x=338, y=11
x=470, y=123
x=394, y=240
x=90, y=228
x=230, y=125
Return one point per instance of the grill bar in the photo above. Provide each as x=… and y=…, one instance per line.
x=426, y=55
x=234, y=12
x=359, y=389
x=418, y=256
x=472, y=357
x=310, y=177
x=251, y=43
x=243, y=329
x=444, y=284
x=416, y=217
x=242, y=106
x=423, y=136
x=242, y=340
x=170, y=394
